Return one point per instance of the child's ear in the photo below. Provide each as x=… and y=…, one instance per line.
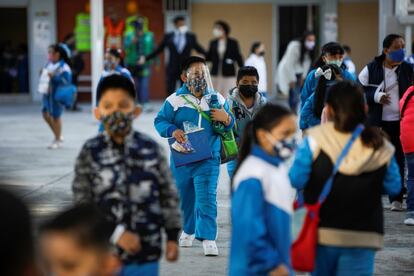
x=183, y=77
x=137, y=110
x=97, y=114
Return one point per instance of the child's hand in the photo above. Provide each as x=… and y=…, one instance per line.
x=219, y=115
x=130, y=242
x=172, y=251
x=179, y=135
x=281, y=270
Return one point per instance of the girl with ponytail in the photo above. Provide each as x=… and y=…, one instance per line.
x=262, y=198
x=351, y=218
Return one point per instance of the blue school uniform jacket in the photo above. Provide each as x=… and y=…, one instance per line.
x=261, y=215
x=175, y=111
x=311, y=82
x=307, y=118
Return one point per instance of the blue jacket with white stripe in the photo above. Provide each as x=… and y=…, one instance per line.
x=175, y=111
x=261, y=216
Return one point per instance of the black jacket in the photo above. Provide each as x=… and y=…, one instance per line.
x=231, y=56
x=176, y=58
x=376, y=76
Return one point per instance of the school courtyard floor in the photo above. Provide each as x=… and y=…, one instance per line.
x=43, y=178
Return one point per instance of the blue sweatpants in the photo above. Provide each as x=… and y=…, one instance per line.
x=231, y=167
x=197, y=186
x=341, y=261
x=146, y=269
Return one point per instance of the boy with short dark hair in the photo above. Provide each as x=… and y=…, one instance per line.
x=244, y=101
x=126, y=174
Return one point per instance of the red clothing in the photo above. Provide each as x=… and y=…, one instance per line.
x=407, y=121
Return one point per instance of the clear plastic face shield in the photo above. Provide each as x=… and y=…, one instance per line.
x=199, y=80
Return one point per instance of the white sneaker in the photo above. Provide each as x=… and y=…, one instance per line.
x=409, y=221
x=186, y=240
x=61, y=139
x=54, y=145
x=396, y=206
x=210, y=248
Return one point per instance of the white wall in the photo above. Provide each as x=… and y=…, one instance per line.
x=42, y=33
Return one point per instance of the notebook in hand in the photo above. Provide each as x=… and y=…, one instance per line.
x=195, y=149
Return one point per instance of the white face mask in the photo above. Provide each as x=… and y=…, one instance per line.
x=310, y=44
x=183, y=29
x=217, y=33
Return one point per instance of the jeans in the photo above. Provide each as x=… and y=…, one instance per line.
x=142, y=84
x=294, y=95
x=147, y=269
x=341, y=261
x=409, y=158
x=393, y=131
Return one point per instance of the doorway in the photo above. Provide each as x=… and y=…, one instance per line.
x=14, y=62
x=294, y=21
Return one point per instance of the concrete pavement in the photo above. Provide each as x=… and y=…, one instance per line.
x=43, y=177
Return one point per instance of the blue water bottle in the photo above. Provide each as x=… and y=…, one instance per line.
x=214, y=103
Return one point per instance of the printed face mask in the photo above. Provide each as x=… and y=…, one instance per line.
x=118, y=123
x=284, y=148
x=197, y=84
x=248, y=91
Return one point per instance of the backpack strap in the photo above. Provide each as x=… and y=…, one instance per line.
x=198, y=108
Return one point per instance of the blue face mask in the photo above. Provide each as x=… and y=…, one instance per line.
x=397, y=55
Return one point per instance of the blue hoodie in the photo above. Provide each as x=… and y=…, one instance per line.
x=261, y=216
x=175, y=111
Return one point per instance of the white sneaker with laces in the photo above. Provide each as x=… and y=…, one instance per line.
x=186, y=240
x=210, y=248
x=409, y=221
x=396, y=206
x=55, y=145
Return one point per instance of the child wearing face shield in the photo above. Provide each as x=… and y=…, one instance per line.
x=244, y=101
x=262, y=198
x=125, y=173
x=332, y=53
x=196, y=182
x=311, y=113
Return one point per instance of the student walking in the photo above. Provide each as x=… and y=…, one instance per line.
x=257, y=60
x=60, y=75
x=196, y=182
x=351, y=223
x=125, y=173
x=331, y=53
x=311, y=113
x=262, y=198
x=244, y=102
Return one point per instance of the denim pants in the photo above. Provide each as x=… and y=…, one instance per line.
x=147, y=269
x=197, y=187
x=409, y=157
x=341, y=261
x=142, y=86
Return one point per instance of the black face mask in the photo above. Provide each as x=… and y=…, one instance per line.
x=262, y=53
x=248, y=91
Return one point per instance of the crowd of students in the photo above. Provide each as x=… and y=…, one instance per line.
x=127, y=195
